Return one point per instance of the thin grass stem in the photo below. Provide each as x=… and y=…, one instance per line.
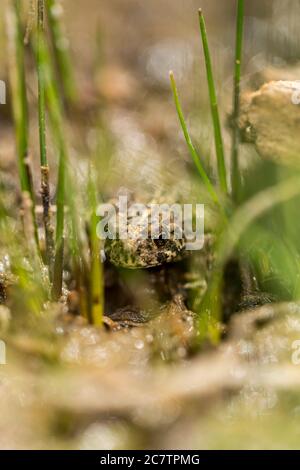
x=45, y=188
x=196, y=159
x=96, y=274
x=235, y=169
x=61, y=50
x=30, y=21
x=209, y=315
x=19, y=102
x=41, y=83
x=214, y=107
x=56, y=113
x=58, y=270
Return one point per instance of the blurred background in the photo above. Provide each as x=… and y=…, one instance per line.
x=122, y=53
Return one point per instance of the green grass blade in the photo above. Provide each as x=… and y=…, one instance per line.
x=96, y=273
x=235, y=171
x=208, y=322
x=60, y=221
x=214, y=107
x=21, y=110
x=19, y=100
x=41, y=84
x=45, y=189
x=259, y=204
x=209, y=315
x=209, y=186
x=56, y=113
x=61, y=50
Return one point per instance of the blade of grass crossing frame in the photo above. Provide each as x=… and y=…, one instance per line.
x=61, y=49
x=209, y=186
x=45, y=189
x=41, y=83
x=209, y=315
x=235, y=170
x=19, y=101
x=214, y=107
x=55, y=111
x=96, y=273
